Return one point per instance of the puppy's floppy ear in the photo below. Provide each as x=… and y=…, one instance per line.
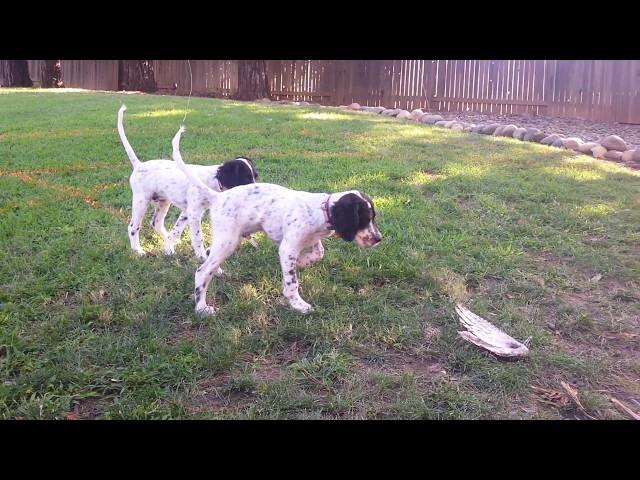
x=345, y=216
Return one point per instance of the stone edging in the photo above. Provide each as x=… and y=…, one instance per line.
x=610, y=147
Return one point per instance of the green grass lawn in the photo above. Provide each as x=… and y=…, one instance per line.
x=542, y=242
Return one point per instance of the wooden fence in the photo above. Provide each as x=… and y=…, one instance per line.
x=605, y=90
x=90, y=74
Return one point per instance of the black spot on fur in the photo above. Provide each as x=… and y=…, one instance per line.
x=351, y=214
x=236, y=172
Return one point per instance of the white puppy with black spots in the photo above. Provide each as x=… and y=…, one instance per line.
x=294, y=220
x=159, y=181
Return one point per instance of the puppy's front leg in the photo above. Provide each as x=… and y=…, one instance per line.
x=196, y=234
x=288, y=260
x=221, y=248
x=177, y=229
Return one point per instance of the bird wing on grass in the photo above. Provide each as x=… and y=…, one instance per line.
x=483, y=334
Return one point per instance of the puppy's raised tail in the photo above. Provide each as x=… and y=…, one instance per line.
x=135, y=162
x=177, y=157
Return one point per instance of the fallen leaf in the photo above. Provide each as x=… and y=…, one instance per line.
x=72, y=416
x=595, y=278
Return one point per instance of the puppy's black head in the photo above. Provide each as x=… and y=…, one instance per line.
x=239, y=171
x=353, y=217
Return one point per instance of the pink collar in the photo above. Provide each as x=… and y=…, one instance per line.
x=325, y=209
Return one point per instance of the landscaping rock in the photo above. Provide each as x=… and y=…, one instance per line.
x=628, y=156
x=416, y=114
x=354, y=106
x=403, y=114
x=598, y=151
x=518, y=133
x=477, y=128
x=614, y=155
x=558, y=142
x=431, y=119
x=508, y=130
x=531, y=134
x=549, y=139
x=572, y=143
x=614, y=142
x=441, y=123
x=489, y=129
x=587, y=147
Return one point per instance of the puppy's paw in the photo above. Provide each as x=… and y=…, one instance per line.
x=302, y=307
x=207, y=310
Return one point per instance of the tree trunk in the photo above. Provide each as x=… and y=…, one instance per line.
x=136, y=75
x=15, y=73
x=253, y=82
x=50, y=74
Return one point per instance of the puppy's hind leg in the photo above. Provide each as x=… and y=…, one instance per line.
x=195, y=214
x=157, y=222
x=138, y=209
